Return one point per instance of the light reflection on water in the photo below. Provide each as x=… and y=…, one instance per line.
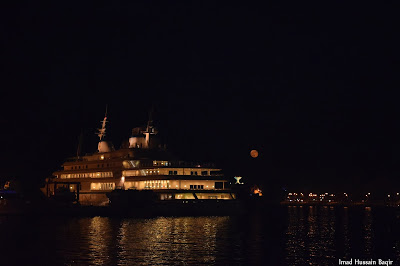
x=310, y=235
x=166, y=240
x=159, y=241
x=368, y=232
x=301, y=235
x=116, y=241
x=323, y=234
x=99, y=229
x=345, y=234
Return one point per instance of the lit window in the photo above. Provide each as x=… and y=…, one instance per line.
x=102, y=186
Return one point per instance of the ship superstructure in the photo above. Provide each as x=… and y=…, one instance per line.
x=144, y=165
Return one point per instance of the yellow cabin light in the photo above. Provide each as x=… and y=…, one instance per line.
x=102, y=157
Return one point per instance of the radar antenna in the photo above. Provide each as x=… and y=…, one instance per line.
x=102, y=131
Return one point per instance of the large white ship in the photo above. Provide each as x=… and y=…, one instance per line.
x=143, y=165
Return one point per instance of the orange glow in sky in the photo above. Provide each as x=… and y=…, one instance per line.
x=254, y=153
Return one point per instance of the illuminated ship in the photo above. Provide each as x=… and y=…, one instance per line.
x=130, y=174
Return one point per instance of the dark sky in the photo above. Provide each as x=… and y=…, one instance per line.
x=312, y=87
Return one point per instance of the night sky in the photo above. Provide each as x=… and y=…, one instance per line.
x=312, y=87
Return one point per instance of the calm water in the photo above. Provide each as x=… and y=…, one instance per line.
x=275, y=236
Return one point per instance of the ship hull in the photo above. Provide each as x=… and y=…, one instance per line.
x=132, y=203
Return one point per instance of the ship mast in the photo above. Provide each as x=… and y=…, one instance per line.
x=102, y=131
x=149, y=128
